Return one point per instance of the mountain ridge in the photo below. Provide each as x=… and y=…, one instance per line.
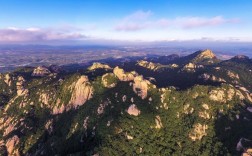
x=109, y=109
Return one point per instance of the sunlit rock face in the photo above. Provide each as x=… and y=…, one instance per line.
x=148, y=65
x=158, y=122
x=140, y=86
x=20, y=86
x=97, y=65
x=82, y=91
x=211, y=77
x=198, y=132
x=41, y=71
x=190, y=67
x=206, y=54
x=133, y=110
x=124, y=76
x=7, y=79
x=11, y=145
x=224, y=95
x=233, y=75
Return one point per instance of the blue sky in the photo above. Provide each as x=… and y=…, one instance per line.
x=25, y=21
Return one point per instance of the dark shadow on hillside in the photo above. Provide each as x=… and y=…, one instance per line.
x=230, y=128
x=57, y=143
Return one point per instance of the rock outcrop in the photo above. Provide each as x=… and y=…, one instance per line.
x=58, y=108
x=11, y=145
x=204, y=114
x=190, y=67
x=217, y=95
x=41, y=71
x=140, y=86
x=82, y=91
x=109, y=80
x=198, y=132
x=187, y=109
x=174, y=65
x=97, y=65
x=7, y=79
x=158, y=122
x=44, y=98
x=101, y=108
x=206, y=54
x=148, y=65
x=133, y=110
x=124, y=76
x=224, y=95
x=207, y=77
x=233, y=75
x=20, y=86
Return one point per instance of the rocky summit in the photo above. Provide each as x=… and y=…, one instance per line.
x=187, y=105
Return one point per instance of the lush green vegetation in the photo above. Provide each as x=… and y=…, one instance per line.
x=103, y=126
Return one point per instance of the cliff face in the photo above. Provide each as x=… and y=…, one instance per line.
x=140, y=86
x=20, y=86
x=82, y=91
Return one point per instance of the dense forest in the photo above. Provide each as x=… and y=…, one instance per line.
x=192, y=105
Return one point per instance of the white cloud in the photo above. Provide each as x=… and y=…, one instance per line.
x=138, y=15
x=194, y=22
x=135, y=21
x=13, y=34
x=141, y=20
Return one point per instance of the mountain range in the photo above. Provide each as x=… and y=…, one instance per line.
x=153, y=105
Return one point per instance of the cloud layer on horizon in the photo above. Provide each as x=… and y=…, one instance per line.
x=13, y=34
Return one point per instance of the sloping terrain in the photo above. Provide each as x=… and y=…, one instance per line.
x=192, y=105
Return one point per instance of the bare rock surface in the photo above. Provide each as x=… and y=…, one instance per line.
x=124, y=76
x=82, y=91
x=97, y=65
x=198, y=132
x=133, y=110
x=41, y=71
x=140, y=86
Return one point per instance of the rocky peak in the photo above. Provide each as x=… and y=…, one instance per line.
x=97, y=65
x=124, y=76
x=41, y=71
x=206, y=54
